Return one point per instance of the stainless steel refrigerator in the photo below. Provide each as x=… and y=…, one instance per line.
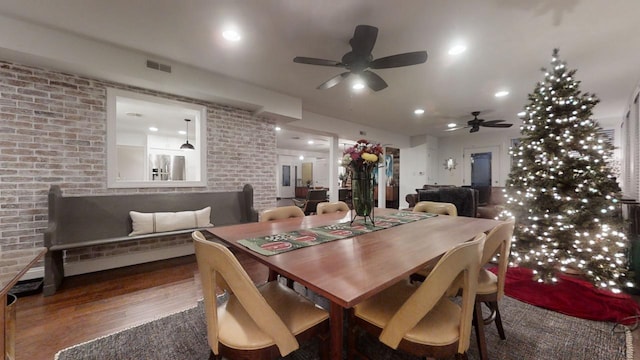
x=167, y=167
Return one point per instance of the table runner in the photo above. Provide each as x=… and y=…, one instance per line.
x=292, y=240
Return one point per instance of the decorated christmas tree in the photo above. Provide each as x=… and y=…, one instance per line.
x=561, y=190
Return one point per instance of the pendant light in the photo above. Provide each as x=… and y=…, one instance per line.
x=186, y=145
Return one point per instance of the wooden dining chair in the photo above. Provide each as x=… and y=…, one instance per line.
x=282, y=212
x=331, y=207
x=491, y=286
x=434, y=207
x=421, y=319
x=264, y=322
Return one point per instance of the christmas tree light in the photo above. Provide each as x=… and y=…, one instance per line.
x=561, y=190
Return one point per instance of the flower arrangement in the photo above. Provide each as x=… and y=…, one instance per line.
x=361, y=159
x=362, y=156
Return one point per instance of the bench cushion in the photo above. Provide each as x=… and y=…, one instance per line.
x=147, y=223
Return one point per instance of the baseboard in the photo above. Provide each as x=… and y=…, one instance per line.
x=112, y=262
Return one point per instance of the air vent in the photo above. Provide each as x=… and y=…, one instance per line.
x=363, y=133
x=158, y=66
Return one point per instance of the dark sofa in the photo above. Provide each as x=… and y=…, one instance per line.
x=494, y=205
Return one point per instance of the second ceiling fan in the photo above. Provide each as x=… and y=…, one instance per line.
x=360, y=59
x=476, y=123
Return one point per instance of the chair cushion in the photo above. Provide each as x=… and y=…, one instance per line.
x=439, y=327
x=238, y=331
x=487, y=282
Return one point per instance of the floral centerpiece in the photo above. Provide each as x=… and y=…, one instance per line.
x=361, y=160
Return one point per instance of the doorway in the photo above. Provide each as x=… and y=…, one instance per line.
x=307, y=174
x=481, y=169
x=481, y=175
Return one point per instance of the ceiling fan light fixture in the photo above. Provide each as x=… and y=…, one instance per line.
x=186, y=145
x=451, y=125
x=231, y=35
x=457, y=49
x=358, y=85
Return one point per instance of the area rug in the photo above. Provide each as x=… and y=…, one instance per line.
x=532, y=333
x=572, y=296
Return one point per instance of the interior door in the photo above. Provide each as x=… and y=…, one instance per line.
x=481, y=169
x=481, y=175
x=494, y=151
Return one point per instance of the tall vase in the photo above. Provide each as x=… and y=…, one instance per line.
x=362, y=191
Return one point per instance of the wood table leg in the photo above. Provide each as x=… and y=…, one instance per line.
x=336, y=316
x=3, y=325
x=273, y=276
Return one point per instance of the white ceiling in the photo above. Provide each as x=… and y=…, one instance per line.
x=508, y=41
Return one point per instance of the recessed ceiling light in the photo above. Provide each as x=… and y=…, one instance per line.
x=452, y=125
x=278, y=128
x=522, y=114
x=418, y=111
x=182, y=132
x=457, y=49
x=231, y=35
x=310, y=142
x=153, y=128
x=502, y=93
x=358, y=85
x=301, y=157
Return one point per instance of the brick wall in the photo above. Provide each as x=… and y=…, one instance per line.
x=53, y=131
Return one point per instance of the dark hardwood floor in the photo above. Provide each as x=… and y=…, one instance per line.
x=92, y=305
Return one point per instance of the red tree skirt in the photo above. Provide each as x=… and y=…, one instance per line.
x=571, y=296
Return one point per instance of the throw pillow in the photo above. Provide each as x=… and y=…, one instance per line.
x=148, y=223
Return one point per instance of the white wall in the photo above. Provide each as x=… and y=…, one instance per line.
x=454, y=147
x=413, y=171
x=292, y=162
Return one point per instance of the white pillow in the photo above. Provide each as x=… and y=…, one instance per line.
x=148, y=223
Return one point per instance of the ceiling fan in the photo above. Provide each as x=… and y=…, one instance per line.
x=476, y=123
x=359, y=59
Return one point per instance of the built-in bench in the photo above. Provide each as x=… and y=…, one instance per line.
x=83, y=221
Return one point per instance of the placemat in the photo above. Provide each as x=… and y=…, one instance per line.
x=292, y=240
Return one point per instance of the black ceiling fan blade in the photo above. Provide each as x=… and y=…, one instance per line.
x=474, y=129
x=364, y=38
x=490, y=122
x=374, y=82
x=314, y=61
x=494, y=125
x=406, y=59
x=333, y=81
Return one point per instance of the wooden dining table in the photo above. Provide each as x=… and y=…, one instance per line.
x=350, y=270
